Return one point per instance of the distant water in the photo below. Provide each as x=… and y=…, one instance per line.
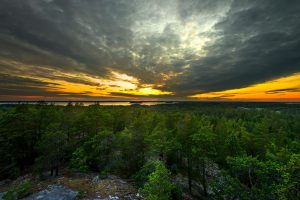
x=103, y=103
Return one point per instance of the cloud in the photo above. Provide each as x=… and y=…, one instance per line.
x=181, y=47
x=285, y=90
x=257, y=41
x=77, y=34
x=11, y=85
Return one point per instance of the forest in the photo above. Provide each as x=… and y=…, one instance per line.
x=224, y=151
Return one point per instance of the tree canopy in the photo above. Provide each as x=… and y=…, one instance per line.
x=223, y=151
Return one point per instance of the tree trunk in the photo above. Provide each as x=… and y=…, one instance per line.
x=189, y=172
x=204, y=184
x=56, y=171
x=52, y=169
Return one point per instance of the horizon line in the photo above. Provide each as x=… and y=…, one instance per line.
x=140, y=101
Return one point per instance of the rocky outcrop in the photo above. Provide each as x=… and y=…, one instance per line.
x=54, y=192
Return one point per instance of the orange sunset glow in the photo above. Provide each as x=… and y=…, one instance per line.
x=281, y=89
x=155, y=50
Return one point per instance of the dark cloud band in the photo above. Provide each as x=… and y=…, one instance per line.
x=182, y=46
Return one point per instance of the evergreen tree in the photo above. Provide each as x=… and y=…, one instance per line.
x=159, y=185
x=51, y=149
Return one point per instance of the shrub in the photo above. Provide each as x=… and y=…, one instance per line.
x=19, y=191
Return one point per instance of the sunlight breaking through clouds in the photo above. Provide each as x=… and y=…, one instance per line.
x=171, y=49
x=116, y=85
x=81, y=85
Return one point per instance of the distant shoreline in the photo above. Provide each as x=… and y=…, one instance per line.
x=147, y=103
x=139, y=101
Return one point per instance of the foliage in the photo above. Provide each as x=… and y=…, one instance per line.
x=79, y=160
x=19, y=191
x=142, y=176
x=51, y=148
x=231, y=150
x=290, y=186
x=229, y=187
x=259, y=177
x=159, y=185
x=94, y=153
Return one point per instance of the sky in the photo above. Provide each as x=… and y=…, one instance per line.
x=221, y=50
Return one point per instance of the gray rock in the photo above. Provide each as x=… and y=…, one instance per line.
x=113, y=197
x=1, y=195
x=54, y=192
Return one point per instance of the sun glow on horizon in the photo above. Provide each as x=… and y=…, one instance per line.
x=117, y=85
x=280, y=89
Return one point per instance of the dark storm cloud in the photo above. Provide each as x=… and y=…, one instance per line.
x=7, y=80
x=74, y=34
x=11, y=85
x=258, y=41
x=25, y=87
x=283, y=90
x=251, y=41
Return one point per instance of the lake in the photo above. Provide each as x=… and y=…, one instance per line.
x=88, y=103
